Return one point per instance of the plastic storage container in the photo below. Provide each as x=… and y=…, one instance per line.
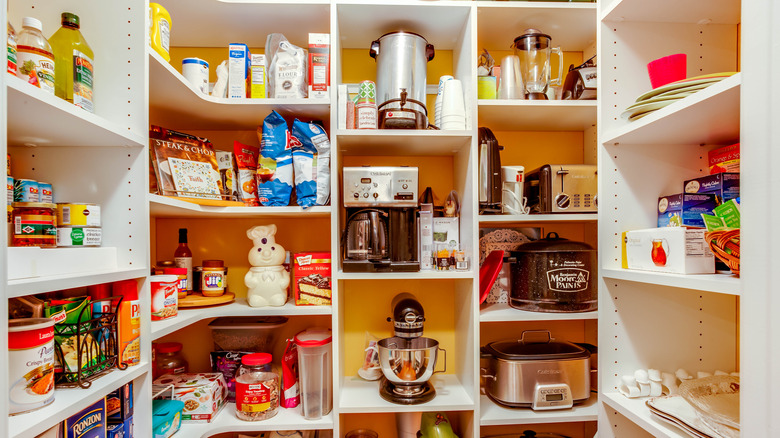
x=248, y=333
x=168, y=359
x=315, y=367
x=257, y=389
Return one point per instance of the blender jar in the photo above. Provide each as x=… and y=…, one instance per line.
x=316, y=375
x=534, y=50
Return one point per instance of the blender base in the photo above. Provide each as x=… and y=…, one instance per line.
x=536, y=96
x=387, y=392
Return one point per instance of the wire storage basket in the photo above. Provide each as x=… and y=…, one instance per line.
x=725, y=245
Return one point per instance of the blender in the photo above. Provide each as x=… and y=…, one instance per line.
x=408, y=360
x=533, y=48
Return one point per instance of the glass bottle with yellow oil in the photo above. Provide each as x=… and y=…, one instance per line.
x=73, y=61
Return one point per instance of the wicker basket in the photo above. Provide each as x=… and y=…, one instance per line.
x=725, y=245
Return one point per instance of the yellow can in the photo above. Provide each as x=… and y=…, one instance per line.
x=78, y=214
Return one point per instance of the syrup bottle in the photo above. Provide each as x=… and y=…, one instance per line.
x=183, y=256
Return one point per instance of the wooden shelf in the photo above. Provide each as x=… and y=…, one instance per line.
x=537, y=115
x=174, y=103
x=491, y=414
x=504, y=313
x=402, y=142
x=671, y=11
x=163, y=206
x=537, y=218
x=360, y=396
x=636, y=411
x=226, y=421
x=710, y=116
x=718, y=283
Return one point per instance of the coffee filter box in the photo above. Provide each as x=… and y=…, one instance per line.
x=674, y=250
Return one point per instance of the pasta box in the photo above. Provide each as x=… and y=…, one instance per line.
x=203, y=394
x=312, y=278
x=119, y=404
x=116, y=430
x=90, y=422
x=724, y=185
x=675, y=250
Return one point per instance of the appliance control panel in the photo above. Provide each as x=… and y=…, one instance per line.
x=552, y=396
x=380, y=186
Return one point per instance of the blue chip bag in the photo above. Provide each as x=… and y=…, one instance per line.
x=311, y=163
x=274, y=167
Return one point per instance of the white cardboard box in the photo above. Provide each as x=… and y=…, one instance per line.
x=23, y=262
x=238, y=63
x=425, y=233
x=672, y=250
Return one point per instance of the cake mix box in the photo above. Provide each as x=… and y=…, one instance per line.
x=312, y=278
x=203, y=394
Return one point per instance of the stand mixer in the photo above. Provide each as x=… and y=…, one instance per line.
x=408, y=360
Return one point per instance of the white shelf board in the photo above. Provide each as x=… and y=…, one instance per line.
x=693, y=11
x=491, y=414
x=360, y=396
x=504, y=313
x=69, y=401
x=34, y=285
x=402, y=142
x=226, y=421
x=636, y=411
x=42, y=119
x=538, y=218
x=572, y=26
x=239, y=307
x=709, y=116
x=537, y=115
x=174, y=103
x=163, y=206
x=719, y=283
x=421, y=275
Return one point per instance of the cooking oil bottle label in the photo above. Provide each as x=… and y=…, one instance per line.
x=82, y=81
x=36, y=66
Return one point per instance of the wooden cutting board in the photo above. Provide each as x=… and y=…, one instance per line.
x=198, y=300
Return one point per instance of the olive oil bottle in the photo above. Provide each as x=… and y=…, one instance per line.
x=73, y=75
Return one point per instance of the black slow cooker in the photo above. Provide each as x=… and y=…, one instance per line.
x=554, y=275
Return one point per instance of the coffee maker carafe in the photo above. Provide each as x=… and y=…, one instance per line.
x=534, y=50
x=380, y=234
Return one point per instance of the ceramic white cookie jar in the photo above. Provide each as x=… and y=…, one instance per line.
x=267, y=279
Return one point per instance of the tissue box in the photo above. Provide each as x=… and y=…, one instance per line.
x=312, y=274
x=674, y=250
x=693, y=205
x=670, y=210
x=239, y=62
x=724, y=185
x=90, y=422
x=211, y=388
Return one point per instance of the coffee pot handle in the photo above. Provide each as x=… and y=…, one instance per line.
x=445, y=362
x=429, y=52
x=557, y=81
x=374, y=49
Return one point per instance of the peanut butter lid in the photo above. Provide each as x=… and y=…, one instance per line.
x=213, y=264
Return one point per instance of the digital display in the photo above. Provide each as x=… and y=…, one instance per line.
x=365, y=180
x=554, y=397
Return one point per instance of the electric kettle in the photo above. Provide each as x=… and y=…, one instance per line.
x=366, y=237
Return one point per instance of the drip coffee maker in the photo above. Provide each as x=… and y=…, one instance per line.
x=408, y=360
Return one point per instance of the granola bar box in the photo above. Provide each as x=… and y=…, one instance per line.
x=312, y=278
x=203, y=394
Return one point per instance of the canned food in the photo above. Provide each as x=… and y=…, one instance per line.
x=165, y=296
x=181, y=274
x=30, y=363
x=10, y=189
x=79, y=236
x=45, y=192
x=26, y=190
x=34, y=225
x=78, y=214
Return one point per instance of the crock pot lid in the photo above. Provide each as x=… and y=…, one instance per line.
x=553, y=243
x=553, y=350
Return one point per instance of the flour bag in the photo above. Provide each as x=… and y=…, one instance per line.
x=274, y=168
x=311, y=161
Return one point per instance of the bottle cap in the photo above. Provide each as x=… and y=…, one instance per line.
x=168, y=347
x=256, y=359
x=70, y=19
x=182, y=235
x=32, y=22
x=213, y=263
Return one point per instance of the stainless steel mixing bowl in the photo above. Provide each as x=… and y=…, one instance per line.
x=409, y=361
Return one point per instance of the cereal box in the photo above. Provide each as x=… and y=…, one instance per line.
x=312, y=275
x=90, y=422
x=203, y=394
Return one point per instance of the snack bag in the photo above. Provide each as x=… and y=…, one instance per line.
x=311, y=162
x=274, y=169
x=290, y=390
x=246, y=168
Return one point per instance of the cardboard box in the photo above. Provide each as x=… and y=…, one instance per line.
x=670, y=210
x=166, y=417
x=425, y=231
x=312, y=278
x=211, y=388
x=119, y=404
x=116, y=430
x=90, y=422
x=257, y=84
x=319, y=66
x=239, y=62
x=674, y=250
x=725, y=159
x=724, y=185
x=696, y=204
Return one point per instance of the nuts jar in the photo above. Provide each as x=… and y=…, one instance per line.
x=257, y=390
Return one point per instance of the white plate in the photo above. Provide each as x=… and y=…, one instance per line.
x=646, y=107
x=661, y=98
x=675, y=409
x=706, y=79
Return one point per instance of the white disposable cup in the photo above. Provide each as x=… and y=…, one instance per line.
x=510, y=85
x=439, y=92
x=452, y=99
x=196, y=71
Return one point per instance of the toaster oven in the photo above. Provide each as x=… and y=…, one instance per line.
x=562, y=188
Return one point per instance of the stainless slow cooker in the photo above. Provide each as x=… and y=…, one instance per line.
x=537, y=372
x=553, y=275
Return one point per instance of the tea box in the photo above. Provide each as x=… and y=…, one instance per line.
x=725, y=159
x=674, y=250
x=694, y=204
x=724, y=185
x=670, y=210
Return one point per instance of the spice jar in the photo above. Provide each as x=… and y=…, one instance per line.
x=34, y=224
x=213, y=278
x=257, y=390
x=168, y=359
x=181, y=274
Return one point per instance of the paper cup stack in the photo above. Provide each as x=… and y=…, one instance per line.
x=453, y=110
x=439, y=94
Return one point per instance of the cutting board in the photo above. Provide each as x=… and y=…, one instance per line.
x=198, y=300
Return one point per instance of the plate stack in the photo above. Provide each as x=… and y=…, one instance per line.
x=670, y=93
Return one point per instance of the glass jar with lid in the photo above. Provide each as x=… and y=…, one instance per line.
x=257, y=390
x=168, y=359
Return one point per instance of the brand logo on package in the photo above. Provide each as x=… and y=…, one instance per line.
x=89, y=421
x=568, y=279
x=304, y=260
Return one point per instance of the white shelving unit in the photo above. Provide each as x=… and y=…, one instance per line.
x=537, y=115
x=164, y=206
x=359, y=396
x=537, y=218
x=502, y=312
x=494, y=415
x=226, y=421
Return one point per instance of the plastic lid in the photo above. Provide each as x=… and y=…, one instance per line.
x=313, y=337
x=24, y=324
x=175, y=271
x=552, y=243
x=166, y=264
x=213, y=264
x=32, y=205
x=163, y=278
x=518, y=350
x=194, y=61
x=126, y=288
x=70, y=19
x=168, y=347
x=256, y=359
x=32, y=22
